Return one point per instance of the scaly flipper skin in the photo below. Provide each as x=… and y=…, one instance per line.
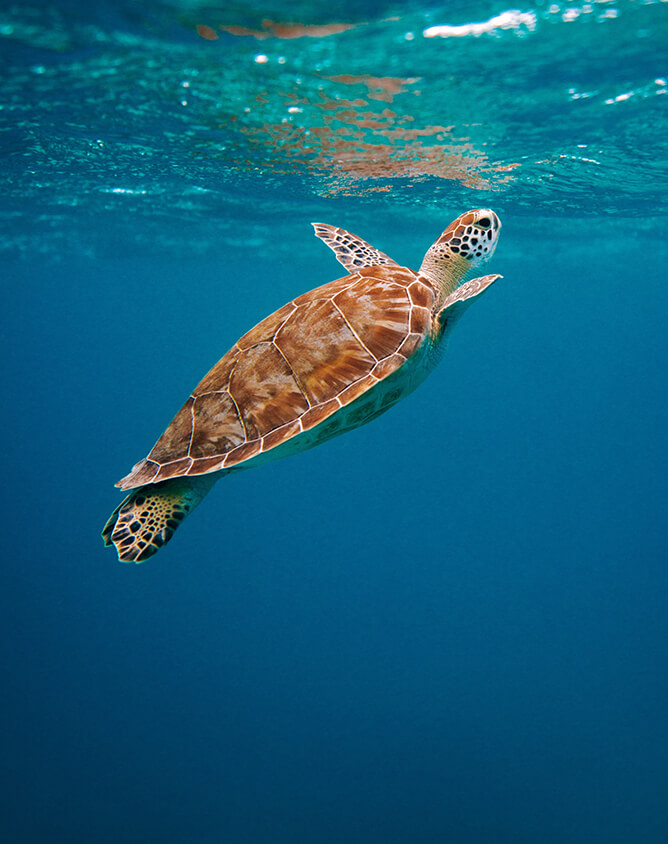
x=350, y=250
x=148, y=517
x=458, y=301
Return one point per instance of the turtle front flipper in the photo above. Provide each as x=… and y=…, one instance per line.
x=145, y=520
x=459, y=300
x=350, y=250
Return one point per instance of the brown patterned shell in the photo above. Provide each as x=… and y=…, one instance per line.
x=293, y=370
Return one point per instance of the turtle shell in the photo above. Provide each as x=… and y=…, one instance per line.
x=296, y=368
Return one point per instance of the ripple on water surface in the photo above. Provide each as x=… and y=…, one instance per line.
x=184, y=112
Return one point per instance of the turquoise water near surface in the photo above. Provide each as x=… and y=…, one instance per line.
x=449, y=625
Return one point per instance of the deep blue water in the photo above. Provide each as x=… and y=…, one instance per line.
x=450, y=625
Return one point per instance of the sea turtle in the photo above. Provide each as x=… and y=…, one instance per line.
x=328, y=361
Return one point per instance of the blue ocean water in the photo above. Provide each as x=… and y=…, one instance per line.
x=447, y=626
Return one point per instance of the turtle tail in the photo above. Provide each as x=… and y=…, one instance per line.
x=145, y=520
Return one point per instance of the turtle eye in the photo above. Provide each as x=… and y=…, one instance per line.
x=485, y=223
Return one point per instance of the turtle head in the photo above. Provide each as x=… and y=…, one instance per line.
x=468, y=242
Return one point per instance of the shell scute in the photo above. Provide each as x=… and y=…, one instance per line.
x=379, y=313
x=241, y=453
x=266, y=329
x=218, y=377
x=388, y=366
x=173, y=469
x=176, y=439
x=218, y=428
x=420, y=321
x=410, y=345
x=316, y=415
x=422, y=295
x=326, y=291
x=280, y=435
x=322, y=350
x=205, y=464
x=265, y=390
x=355, y=390
x=142, y=473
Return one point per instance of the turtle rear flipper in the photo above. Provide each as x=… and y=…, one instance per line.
x=145, y=520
